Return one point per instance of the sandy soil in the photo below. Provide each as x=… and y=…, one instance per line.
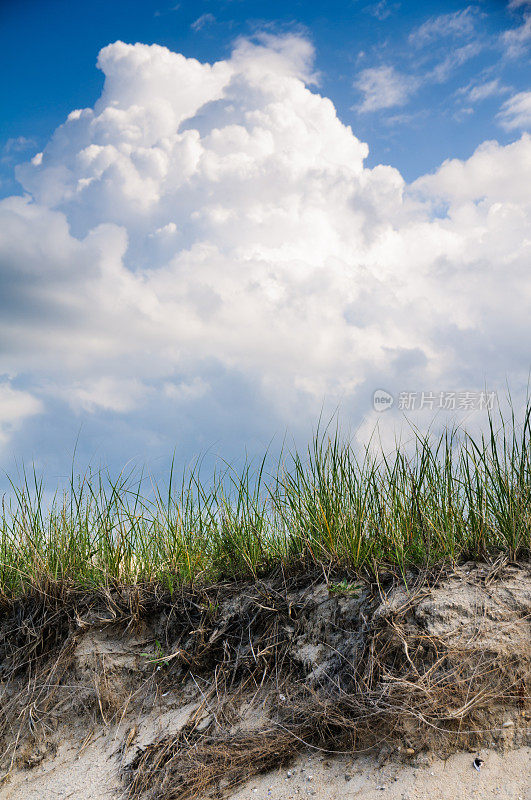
x=81, y=753
x=501, y=776
x=93, y=774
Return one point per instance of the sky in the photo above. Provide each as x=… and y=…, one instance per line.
x=221, y=220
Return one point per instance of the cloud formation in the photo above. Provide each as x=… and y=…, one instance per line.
x=428, y=59
x=515, y=113
x=457, y=24
x=200, y=22
x=517, y=40
x=482, y=91
x=384, y=87
x=15, y=407
x=208, y=239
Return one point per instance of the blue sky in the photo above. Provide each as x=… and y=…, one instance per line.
x=248, y=213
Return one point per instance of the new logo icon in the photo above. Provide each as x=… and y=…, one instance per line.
x=382, y=400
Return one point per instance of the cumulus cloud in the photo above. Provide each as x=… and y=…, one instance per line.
x=516, y=112
x=208, y=238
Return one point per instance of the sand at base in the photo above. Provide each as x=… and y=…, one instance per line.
x=501, y=776
x=94, y=775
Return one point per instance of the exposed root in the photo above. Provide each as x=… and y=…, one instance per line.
x=340, y=665
x=193, y=765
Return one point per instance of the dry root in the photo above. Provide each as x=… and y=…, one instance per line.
x=192, y=765
x=338, y=670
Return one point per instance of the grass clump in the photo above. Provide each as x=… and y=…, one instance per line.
x=453, y=497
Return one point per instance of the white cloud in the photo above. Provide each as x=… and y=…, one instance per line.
x=15, y=407
x=383, y=9
x=208, y=233
x=517, y=40
x=457, y=24
x=17, y=144
x=108, y=393
x=269, y=54
x=482, y=91
x=447, y=41
x=187, y=390
x=200, y=22
x=455, y=58
x=494, y=179
x=515, y=113
x=14, y=148
x=384, y=87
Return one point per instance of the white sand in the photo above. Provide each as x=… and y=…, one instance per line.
x=94, y=775
x=502, y=776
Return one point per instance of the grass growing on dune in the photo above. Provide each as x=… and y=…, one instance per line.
x=454, y=497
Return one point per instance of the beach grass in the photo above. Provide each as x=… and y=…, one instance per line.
x=446, y=499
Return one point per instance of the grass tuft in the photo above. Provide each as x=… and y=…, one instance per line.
x=454, y=497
